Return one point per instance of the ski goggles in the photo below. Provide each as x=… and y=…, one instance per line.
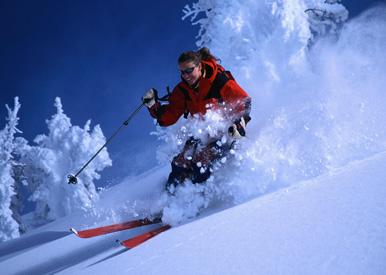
x=187, y=71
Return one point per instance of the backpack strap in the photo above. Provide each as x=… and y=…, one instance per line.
x=219, y=82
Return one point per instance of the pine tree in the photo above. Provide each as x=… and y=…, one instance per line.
x=326, y=19
x=64, y=149
x=9, y=227
x=231, y=29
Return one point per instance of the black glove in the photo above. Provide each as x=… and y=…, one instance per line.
x=237, y=130
x=150, y=98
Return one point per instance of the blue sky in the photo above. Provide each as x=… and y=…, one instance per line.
x=99, y=57
x=95, y=56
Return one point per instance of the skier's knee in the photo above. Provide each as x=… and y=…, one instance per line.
x=200, y=174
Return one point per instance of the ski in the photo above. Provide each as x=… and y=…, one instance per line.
x=98, y=231
x=137, y=240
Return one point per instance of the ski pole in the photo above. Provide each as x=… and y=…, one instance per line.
x=72, y=178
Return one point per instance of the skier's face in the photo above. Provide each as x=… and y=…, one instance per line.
x=190, y=72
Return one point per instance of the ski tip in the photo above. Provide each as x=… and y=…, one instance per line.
x=120, y=243
x=73, y=230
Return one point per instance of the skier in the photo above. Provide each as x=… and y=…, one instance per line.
x=204, y=85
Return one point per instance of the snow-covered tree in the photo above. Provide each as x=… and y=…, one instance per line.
x=63, y=150
x=326, y=19
x=20, y=185
x=234, y=32
x=9, y=227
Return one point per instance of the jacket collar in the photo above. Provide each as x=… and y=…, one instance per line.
x=209, y=71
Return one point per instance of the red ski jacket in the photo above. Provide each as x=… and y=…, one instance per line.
x=215, y=86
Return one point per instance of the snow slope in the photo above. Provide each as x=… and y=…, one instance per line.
x=334, y=224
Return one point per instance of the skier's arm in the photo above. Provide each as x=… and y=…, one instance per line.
x=236, y=99
x=168, y=114
x=239, y=102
